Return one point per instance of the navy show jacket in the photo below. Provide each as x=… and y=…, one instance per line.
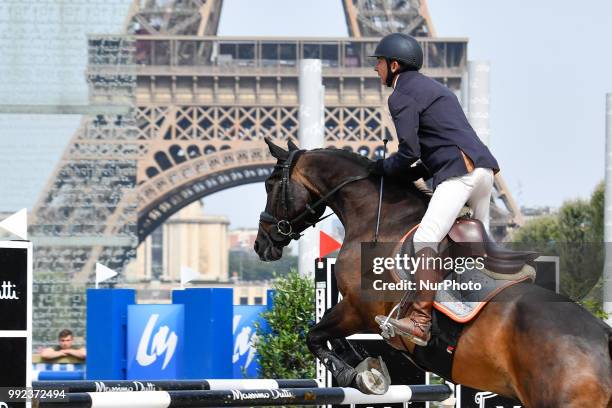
x=431, y=126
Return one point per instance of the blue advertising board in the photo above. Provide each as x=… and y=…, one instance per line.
x=244, y=357
x=208, y=331
x=155, y=342
x=107, y=332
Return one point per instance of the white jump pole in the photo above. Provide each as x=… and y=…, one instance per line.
x=250, y=398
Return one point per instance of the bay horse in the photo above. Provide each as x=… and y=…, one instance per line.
x=530, y=344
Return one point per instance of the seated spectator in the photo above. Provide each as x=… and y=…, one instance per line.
x=64, y=349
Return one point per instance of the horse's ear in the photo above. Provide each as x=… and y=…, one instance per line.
x=292, y=146
x=276, y=151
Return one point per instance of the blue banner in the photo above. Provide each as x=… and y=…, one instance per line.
x=155, y=342
x=244, y=356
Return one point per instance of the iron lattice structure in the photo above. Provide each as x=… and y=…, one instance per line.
x=375, y=18
x=174, y=17
x=87, y=212
x=184, y=113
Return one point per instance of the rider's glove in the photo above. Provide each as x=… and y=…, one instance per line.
x=417, y=172
x=376, y=168
x=413, y=173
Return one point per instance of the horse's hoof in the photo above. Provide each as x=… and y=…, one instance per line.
x=372, y=382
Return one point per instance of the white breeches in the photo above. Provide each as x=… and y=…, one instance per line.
x=473, y=189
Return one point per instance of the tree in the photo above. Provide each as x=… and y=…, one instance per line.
x=580, y=255
x=538, y=235
x=575, y=234
x=597, y=208
x=281, y=342
x=249, y=267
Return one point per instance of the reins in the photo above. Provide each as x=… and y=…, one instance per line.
x=286, y=226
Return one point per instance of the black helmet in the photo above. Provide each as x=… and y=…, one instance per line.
x=401, y=47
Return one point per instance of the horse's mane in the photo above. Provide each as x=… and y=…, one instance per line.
x=419, y=187
x=351, y=156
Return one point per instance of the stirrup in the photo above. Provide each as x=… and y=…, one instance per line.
x=387, y=330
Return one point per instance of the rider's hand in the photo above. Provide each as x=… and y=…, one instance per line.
x=417, y=172
x=376, y=168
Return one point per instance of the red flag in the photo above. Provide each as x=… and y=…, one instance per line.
x=327, y=244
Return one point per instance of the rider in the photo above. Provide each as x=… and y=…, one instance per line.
x=432, y=127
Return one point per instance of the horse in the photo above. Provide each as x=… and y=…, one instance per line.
x=530, y=344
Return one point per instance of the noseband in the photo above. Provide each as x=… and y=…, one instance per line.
x=286, y=226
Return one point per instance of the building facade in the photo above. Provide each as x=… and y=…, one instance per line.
x=189, y=239
x=242, y=239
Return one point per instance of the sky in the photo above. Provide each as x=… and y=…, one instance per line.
x=551, y=67
x=550, y=70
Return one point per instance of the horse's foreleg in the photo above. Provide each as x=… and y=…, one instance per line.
x=350, y=353
x=370, y=375
x=338, y=323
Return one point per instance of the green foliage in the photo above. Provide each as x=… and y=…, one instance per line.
x=539, y=235
x=575, y=234
x=580, y=255
x=597, y=208
x=593, y=303
x=282, y=347
x=249, y=267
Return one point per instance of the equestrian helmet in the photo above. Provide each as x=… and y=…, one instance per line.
x=400, y=47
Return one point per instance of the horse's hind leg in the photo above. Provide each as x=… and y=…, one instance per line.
x=584, y=390
x=574, y=393
x=338, y=323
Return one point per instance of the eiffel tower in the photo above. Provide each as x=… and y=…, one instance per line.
x=183, y=114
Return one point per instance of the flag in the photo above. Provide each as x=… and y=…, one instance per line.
x=327, y=244
x=187, y=275
x=103, y=273
x=17, y=224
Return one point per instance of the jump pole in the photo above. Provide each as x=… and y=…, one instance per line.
x=170, y=385
x=258, y=397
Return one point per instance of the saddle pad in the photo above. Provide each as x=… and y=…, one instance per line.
x=463, y=305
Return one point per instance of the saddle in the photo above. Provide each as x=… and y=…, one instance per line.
x=468, y=236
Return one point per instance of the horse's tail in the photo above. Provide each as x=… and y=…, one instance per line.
x=610, y=344
x=609, y=333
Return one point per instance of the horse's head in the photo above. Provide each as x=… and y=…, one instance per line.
x=288, y=210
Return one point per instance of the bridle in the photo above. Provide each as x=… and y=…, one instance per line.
x=285, y=226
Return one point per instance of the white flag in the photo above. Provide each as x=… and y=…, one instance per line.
x=188, y=274
x=103, y=273
x=17, y=224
